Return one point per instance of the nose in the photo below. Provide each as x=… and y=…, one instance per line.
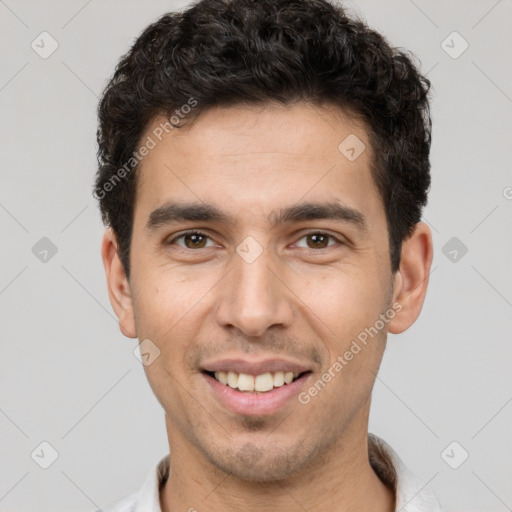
x=253, y=299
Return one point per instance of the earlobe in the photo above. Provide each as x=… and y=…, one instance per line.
x=119, y=289
x=411, y=280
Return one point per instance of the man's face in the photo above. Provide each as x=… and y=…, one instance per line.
x=256, y=291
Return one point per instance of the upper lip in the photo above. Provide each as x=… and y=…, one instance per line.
x=254, y=367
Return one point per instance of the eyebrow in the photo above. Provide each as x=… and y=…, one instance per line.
x=172, y=212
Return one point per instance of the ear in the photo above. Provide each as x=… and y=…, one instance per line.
x=119, y=290
x=411, y=279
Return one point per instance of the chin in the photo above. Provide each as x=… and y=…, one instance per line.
x=255, y=463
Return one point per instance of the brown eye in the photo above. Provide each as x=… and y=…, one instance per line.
x=195, y=240
x=192, y=240
x=317, y=240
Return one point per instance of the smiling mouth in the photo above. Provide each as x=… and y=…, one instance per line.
x=261, y=383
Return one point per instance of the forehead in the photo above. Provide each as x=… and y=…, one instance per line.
x=254, y=159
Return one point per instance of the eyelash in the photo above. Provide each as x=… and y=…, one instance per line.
x=193, y=232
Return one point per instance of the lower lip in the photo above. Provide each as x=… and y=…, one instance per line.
x=256, y=404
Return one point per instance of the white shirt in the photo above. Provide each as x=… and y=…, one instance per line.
x=411, y=495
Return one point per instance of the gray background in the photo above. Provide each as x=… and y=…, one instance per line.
x=69, y=377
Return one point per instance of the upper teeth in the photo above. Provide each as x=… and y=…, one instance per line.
x=261, y=383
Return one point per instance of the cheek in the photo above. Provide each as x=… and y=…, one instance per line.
x=169, y=298
x=165, y=316
x=349, y=308
x=346, y=300
x=168, y=308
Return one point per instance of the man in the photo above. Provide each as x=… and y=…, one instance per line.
x=262, y=171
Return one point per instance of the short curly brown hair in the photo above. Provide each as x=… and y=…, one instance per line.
x=229, y=52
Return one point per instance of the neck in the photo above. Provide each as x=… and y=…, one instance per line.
x=341, y=480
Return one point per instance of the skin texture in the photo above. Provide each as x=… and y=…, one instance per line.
x=296, y=300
